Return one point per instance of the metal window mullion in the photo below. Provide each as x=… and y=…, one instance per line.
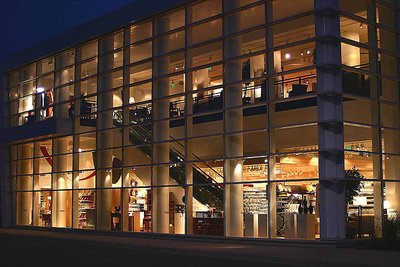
x=268, y=122
x=96, y=165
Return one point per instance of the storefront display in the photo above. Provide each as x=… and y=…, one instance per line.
x=86, y=199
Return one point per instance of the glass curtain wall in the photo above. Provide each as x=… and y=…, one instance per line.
x=371, y=115
x=203, y=121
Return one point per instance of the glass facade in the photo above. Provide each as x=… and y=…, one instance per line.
x=206, y=121
x=371, y=114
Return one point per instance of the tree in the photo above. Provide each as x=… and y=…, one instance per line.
x=353, y=184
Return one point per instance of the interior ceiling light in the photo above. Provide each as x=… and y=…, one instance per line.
x=287, y=55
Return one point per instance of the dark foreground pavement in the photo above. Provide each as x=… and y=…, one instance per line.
x=20, y=247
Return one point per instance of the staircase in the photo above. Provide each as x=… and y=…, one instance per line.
x=206, y=191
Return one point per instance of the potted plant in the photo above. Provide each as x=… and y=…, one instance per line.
x=353, y=186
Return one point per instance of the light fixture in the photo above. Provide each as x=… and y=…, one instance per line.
x=39, y=90
x=308, y=52
x=79, y=150
x=361, y=25
x=287, y=56
x=301, y=54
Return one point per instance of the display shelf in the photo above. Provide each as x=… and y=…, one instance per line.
x=86, y=205
x=255, y=201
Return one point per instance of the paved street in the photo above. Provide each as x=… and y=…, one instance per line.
x=44, y=248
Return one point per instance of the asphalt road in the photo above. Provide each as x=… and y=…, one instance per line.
x=28, y=251
x=24, y=247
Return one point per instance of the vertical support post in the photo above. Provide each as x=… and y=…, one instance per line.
x=60, y=183
x=24, y=200
x=6, y=195
x=105, y=140
x=160, y=212
x=330, y=120
x=233, y=123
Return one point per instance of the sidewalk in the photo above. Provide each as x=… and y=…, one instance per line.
x=189, y=251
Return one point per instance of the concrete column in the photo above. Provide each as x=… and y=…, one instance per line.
x=377, y=174
x=392, y=171
x=201, y=79
x=105, y=139
x=24, y=200
x=274, y=65
x=272, y=189
x=160, y=212
x=125, y=200
x=376, y=135
x=62, y=95
x=330, y=121
x=391, y=143
x=60, y=183
x=7, y=207
x=256, y=65
x=233, y=123
x=39, y=103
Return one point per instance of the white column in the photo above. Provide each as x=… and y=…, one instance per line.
x=24, y=201
x=39, y=103
x=392, y=171
x=201, y=79
x=256, y=65
x=233, y=123
x=160, y=212
x=105, y=139
x=62, y=95
x=60, y=183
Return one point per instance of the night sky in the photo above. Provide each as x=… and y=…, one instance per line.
x=24, y=23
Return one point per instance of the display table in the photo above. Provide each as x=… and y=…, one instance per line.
x=135, y=219
x=208, y=226
x=255, y=225
x=116, y=221
x=299, y=226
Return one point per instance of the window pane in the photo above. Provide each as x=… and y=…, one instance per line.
x=280, y=8
x=65, y=59
x=204, y=32
x=140, y=52
x=111, y=42
x=245, y=19
x=45, y=66
x=171, y=42
x=203, y=55
x=284, y=33
x=204, y=9
x=87, y=51
x=170, y=22
x=141, y=32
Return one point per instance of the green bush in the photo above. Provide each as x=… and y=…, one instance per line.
x=391, y=230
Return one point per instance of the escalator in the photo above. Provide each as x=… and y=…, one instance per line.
x=208, y=192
